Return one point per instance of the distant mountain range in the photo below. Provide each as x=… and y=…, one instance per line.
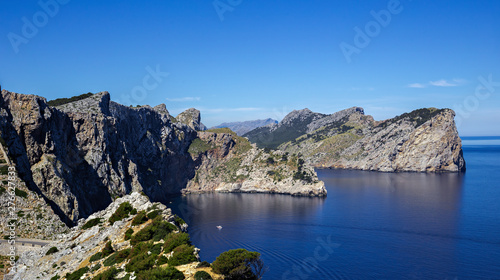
x=243, y=127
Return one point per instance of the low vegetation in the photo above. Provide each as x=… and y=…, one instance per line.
x=62, y=101
x=92, y=222
x=418, y=117
x=152, y=260
x=157, y=230
x=202, y=275
x=239, y=264
x=51, y=251
x=123, y=211
x=199, y=146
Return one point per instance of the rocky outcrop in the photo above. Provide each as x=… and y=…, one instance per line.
x=229, y=163
x=192, y=118
x=80, y=156
x=79, y=248
x=425, y=140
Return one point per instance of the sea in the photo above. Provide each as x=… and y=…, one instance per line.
x=370, y=226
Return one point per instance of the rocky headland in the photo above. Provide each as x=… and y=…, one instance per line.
x=86, y=152
x=424, y=140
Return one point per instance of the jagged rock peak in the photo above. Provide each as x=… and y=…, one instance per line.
x=97, y=103
x=192, y=118
x=161, y=109
x=335, y=117
x=300, y=115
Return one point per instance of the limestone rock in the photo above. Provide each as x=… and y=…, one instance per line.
x=192, y=118
x=425, y=140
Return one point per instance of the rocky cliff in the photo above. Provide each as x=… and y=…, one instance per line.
x=82, y=155
x=229, y=163
x=424, y=140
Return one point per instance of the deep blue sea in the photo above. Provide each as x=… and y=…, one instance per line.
x=371, y=226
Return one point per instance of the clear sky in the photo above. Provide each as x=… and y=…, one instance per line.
x=241, y=60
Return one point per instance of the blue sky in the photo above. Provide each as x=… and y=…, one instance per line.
x=241, y=60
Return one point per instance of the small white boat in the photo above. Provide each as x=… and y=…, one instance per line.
x=219, y=227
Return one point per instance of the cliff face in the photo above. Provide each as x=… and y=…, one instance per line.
x=424, y=140
x=229, y=163
x=84, y=154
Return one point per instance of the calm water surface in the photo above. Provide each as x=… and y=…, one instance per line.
x=371, y=226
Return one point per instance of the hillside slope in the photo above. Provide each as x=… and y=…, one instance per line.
x=424, y=140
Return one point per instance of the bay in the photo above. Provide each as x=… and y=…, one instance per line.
x=370, y=226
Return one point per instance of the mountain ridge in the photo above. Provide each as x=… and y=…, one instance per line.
x=81, y=156
x=424, y=140
x=243, y=127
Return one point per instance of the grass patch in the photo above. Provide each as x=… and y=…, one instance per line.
x=199, y=146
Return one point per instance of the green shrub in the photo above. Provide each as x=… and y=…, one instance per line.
x=95, y=257
x=175, y=239
x=62, y=101
x=156, y=249
x=2, y=190
x=237, y=264
x=140, y=218
x=128, y=234
x=122, y=212
x=96, y=267
x=153, y=214
x=162, y=260
x=107, y=275
x=77, y=274
x=155, y=231
x=141, y=262
x=202, y=275
x=183, y=254
x=203, y=264
x=107, y=250
x=117, y=257
x=179, y=220
x=55, y=277
x=168, y=273
x=51, y=251
x=21, y=193
x=91, y=223
x=4, y=170
x=140, y=248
